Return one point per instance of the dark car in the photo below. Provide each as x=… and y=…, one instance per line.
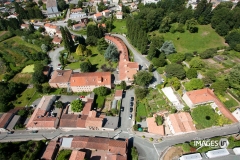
x=131, y=109
x=35, y=131
x=122, y=109
x=132, y=98
x=10, y=132
x=131, y=104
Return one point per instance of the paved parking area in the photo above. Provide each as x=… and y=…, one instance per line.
x=125, y=121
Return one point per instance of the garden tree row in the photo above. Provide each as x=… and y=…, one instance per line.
x=11, y=22
x=8, y=94
x=67, y=39
x=30, y=11
x=94, y=32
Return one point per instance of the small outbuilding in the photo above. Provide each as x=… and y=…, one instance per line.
x=217, y=153
x=118, y=94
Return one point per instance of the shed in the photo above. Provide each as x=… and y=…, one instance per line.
x=168, y=91
x=196, y=156
x=236, y=150
x=118, y=94
x=66, y=142
x=114, y=104
x=217, y=153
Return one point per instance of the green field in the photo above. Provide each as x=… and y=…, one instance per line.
x=119, y=26
x=100, y=101
x=189, y=42
x=27, y=97
x=28, y=69
x=141, y=110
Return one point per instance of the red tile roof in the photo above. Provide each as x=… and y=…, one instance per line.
x=50, y=151
x=94, y=122
x=57, y=39
x=91, y=79
x=118, y=93
x=76, y=10
x=110, y=156
x=79, y=25
x=126, y=68
x=102, y=24
x=60, y=76
x=154, y=128
x=182, y=122
x=87, y=107
x=68, y=120
x=6, y=117
x=207, y=95
x=50, y=26
x=98, y=15
x=77, y=155
x=117, y=147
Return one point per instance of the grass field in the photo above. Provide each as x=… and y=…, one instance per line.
x=119, y=26
x=100, y=101
x=28, y=69
x=189, y=42
x=64, y=154
x=141, y=110
x=25, y=78
x=27, y=97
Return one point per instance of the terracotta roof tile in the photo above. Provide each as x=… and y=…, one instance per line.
x=87, y=107
x=51, y=26
x=91, y=78
x=98, y=14
x=57, y=39
x=77, y=155
x=61, y=76
x=5, y=119
x=68, y=120
x=154, y=128
x=118, y=93
x=94, y=122
x=117, y=147
x=110, y=156
x=206, y=95
x=50, y=150
x=76, y=10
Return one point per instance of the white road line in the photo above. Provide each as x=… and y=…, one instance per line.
x=156, y=150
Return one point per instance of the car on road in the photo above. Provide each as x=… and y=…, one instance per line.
x=130, y=116
x=131, y=109
x=59, y=65
x=10, y=132
x=82, y=96
x=131, y=104
x=132, y=98
x=122, y=109
x=35, y=131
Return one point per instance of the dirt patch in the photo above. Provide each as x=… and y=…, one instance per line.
x=173, y=153
x=3, y=33
x=22, y=78
x=205, y=33
x=213, y=64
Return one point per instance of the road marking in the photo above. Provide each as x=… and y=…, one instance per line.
x=156, y=150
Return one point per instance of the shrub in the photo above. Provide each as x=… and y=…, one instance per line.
x=138, y=119
x=151, y=139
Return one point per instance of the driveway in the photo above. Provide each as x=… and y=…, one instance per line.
x=54, y=55
x=126, y=123
x=143, y=62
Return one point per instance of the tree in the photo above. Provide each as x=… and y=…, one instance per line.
x=159, y=120
x=77, y=105
x=159, y=62
x=46, y=88
x=192, y=26
x=91, y=40
x=186, y=109
x=135, y=127
x=191, y=73
x=80, y=4
x=186, y=147
x=174, y=82
x=102, y=45
x=223, y=120
x=40, y=3
x=233, y=39
x=141, y=92
x=150, y=68
x=71, y=6
x=85, y=66
x=44, y=48
x=175, y=70
x=209, y=53
x=61, y=5
x=222, y=28
x=177, y=57
x=80, y=50
x=134, y=153
x=234, y=77
x=38, y=76
x=143, y=78
x=59, y=104
x=156, y=42
x=194, y=84
x=220, y=87
x=69, y=23
x=196, y=63
x=22, y=112
x=111, y=53
x=167, y=47
x=101, y=91
x=123, y=85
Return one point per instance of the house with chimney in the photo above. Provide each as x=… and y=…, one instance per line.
x=87, y=82
x=206, y=96
x=42, y=117
x=126, y=69
x=51, y=29
x=60, y=78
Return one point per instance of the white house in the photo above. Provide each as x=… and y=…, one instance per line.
x=119, y=15
x=150, y=1
x=51, y=29
x=97, y=16
x=168, y=91
x=106, y=13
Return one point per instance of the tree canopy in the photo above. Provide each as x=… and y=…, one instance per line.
x=101, y=91
x=143, y=78
x=141, y=92
x=85, y=66
x=102, y=45
x=167, y=47
x=111, y=53
x=77, y=105
x=196, y=63
x=194, y=84
x=191, y=73
x=234, y=77
x=175, y=70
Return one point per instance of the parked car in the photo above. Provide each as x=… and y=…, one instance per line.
x=122, y=109
x=130, y=116
x=82, y=96
x=35, y=131
x=132, y=98
x=10, y=132
x=131, y=104
x=131, y=109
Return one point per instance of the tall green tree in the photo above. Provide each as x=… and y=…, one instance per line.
x=156, y=42
x=77, y=105
x=194, y=84
x=234, y=77
x=192, y=26
x=111, y=53
x=191, y=73
x=143, y=78
x=102, y=45
x=175, y=70
x=168, y=47
x=85, y=66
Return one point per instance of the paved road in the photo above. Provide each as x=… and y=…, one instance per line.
x=126, y=123
x=141, y=60
x=54, y=55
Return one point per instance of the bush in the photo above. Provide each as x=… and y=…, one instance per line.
x=230, y=103
x=186, y=147
x=138, y=119
x=151, y=139
x=135, y=127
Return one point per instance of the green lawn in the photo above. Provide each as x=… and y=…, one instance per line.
x=204, y=116
x=189, y=42
x=28, y=69
x=81, y=31
x=25, y=78
x=119, y=26
x=100, y=101
x=27, y=97
x=64, y=154
x=141, y=110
